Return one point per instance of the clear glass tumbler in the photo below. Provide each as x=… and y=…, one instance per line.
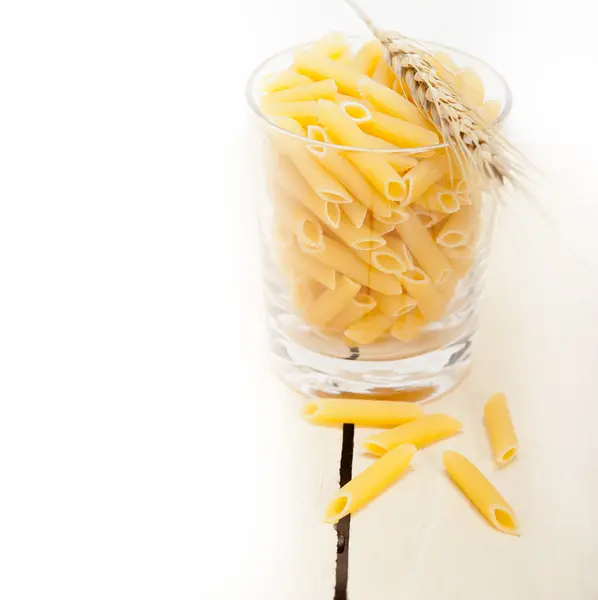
x=365, y=296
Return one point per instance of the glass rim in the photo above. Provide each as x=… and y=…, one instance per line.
x=249, y=96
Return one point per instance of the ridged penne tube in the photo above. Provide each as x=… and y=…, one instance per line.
x=394, y=306
x=400, y=133
x=369, y=483
x=424, y=175
x=309, y=91
x=356, y=212
x=456, y=232
x=316, y=65
x=357, y=112
x=470, y=84
x=334, y=45
x=420, y=432
x=408, y=326
x=481, y=493
x=367, y=57
x=360, y=412
x=383, y=74
x=348, y=174
x=295, y=185
x=500, y=429
x=310, y=267
x=375, y=167
x=390, y=102
x=424, y=249
x=297, y=219
x=490, y=111
x=304, y=112
x=363, y=238
x=357, y=308
x=344, y=260
x=420, y=287
x=441, y=199
x=371, y=327
x=398, y=246
x=326, y=306
x=284, y=80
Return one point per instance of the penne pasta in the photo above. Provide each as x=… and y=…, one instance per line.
x=284, y=80
x=420, y=287
x=381, y=227
x=309, y=91
x=400, y=133
x=375, y=167
x=481, y=493
x=303, y=293
x=333, y=45
x=500, y=429
x=470, y=85
x=304, y=112
x=360, y=412
x=420, y=432
x=407, y=327
x=456, y=232
x=390, y=102
x=398, y=246
x=295, y=185
x=371, y=327
x=441, y=199
x=383, y=74
x=394, y=306
x=397, y=215
x=331, y=302
x=369, y=483
x=357, y=308
x=424, y=175
x=387, y=261
x=356, y=213
x=318, y=66
x=349, y=175
x=367, y=57
x=446, y=61
x=342, y=259
x=310, y=267
x=461, y=259
x=424, y=249
x=490, y=111
x=356, y=111
x=363, y=238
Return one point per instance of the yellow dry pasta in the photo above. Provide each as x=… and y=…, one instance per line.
x=456, y=232
x=383, y=74
x=397, y=215
x=333, y=45
x=309, y=91
x=304, y=112
x=490, y=111
x=303, y=292
x=470, y=84
x=387, y=261
x=424, y=175
x=284, y=80
x=295, y=185
x=348, y=174
x=420, y=432
x=330, y=303
x=310, y=267
x=500, y=429
x=381, y=227
x=441, y=199
x=481, y=493
x=360, y=412
x=370, y=328
x=318, y=66
x=461, y=259
x=320, y=180
x=357, y=308
x=356, y=212
x=420, y=287
x=342, y=259
x=356, y=111
x=400, y=160
x=369, y=483
x=363, y=238
x=408, y=326
x=375, y=167
x=394, y=306
x=367, y=57
x=424, y=249
x=400, y=133
x=398, y=246
x=390, y=102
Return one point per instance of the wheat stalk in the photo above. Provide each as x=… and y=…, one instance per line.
x=476, y=146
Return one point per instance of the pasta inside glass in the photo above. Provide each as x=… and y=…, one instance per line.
x=374, y=237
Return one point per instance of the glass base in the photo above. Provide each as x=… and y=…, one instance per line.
x=413, y=378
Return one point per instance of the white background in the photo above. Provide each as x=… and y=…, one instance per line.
x=144, y=445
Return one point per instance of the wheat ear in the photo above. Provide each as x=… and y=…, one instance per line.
x=476, y=146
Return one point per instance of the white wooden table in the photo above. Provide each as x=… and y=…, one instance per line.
x=421, y=540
